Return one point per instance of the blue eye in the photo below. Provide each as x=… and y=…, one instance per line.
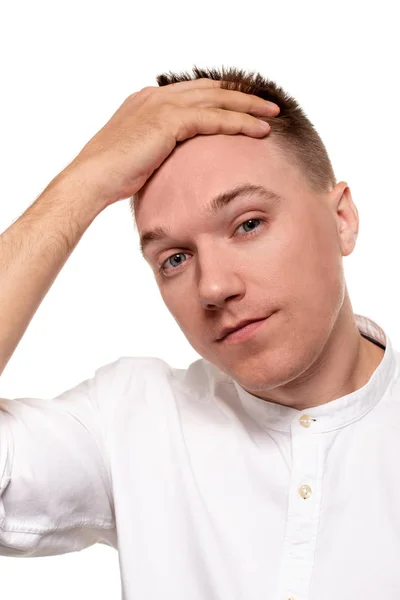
x=162, y=269
x=171, y=258
x=249, y=221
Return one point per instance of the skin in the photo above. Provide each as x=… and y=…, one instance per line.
x=310, y=351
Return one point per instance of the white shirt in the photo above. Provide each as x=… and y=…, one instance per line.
x=206, y=491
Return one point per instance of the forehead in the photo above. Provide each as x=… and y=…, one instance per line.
x=202, y=167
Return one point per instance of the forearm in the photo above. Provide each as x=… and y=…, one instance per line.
x=34, y=249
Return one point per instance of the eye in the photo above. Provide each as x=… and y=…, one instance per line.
x=250, y=221
x=162, y=269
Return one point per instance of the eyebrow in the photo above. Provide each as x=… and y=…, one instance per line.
x=217, y=204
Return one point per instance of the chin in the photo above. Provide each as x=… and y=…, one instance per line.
x=257, y=379
x=260, y=375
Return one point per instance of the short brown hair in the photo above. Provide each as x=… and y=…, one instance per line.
x=291, y=130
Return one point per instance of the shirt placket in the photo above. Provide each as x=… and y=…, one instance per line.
x=304, y=502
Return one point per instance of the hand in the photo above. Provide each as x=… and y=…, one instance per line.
x=142, y=133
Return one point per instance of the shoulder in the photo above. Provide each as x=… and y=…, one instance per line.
x=130, y=373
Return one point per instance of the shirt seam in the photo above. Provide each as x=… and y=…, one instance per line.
x=103, y=524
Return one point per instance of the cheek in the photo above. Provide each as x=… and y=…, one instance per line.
x=313, y=268
x=178, y=302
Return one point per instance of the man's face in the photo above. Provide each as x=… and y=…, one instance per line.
x=222, y=269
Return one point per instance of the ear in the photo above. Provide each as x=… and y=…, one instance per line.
x=346, y=215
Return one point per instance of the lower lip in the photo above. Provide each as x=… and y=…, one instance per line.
x=244, y=333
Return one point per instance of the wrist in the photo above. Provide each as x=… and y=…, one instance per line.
x=78, y=185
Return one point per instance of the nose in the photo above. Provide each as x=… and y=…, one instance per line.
x=218, y=282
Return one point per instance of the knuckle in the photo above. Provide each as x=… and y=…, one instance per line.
x=132, y=97
x=147, y=89
x=211, y=110
x=195, y=114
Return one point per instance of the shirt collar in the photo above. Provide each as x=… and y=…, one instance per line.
x=337, y=413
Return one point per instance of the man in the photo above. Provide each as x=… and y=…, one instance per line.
x=265, y=470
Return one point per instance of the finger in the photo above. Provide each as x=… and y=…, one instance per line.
x=230, y=100
x=267, y=108
x=203, y=82
x=210, y=121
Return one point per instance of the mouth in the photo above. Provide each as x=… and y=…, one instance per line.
x=245, y=331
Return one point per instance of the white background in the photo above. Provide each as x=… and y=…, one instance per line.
x=65, y=69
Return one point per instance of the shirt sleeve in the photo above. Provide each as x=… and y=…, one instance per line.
x=55, y=478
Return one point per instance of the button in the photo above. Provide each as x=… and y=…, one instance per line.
x=305, y=491
x=306, y=420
